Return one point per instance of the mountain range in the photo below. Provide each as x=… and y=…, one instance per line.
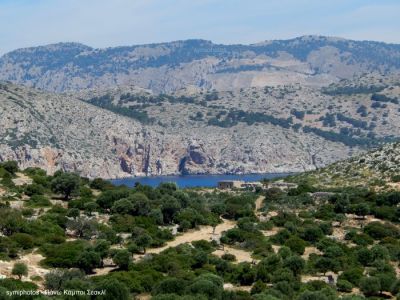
x=197, y=107
x=166, y=67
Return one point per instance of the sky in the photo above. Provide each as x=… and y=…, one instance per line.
x=108, y=23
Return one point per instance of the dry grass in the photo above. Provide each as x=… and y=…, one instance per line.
x=241, y=255
x=32, y=260
x=271, y=232
x=321, y=277
x=22, y=179
x=310, y=250
x=231, y=287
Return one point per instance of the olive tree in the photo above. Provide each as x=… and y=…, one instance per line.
x=20, y=269
x=66, y=184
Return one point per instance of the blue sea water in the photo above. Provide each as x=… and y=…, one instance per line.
x=188, y=181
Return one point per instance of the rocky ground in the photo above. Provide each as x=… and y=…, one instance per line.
x=378, y=168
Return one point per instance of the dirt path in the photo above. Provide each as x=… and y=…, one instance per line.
x=259, y=204
x=103, y=271
x=206, y=233
x=203, y=233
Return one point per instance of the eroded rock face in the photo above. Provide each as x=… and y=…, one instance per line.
x=127, y=167
x=197, y=157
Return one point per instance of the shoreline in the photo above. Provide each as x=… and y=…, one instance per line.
x=200, y=175
x=190, y=181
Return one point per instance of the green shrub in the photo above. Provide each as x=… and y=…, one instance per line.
x=36, y=278
x=66, y=184
x=34, y=189
x=295, y=263
x=13, y=285
x=27, y=212
x=396, y=178
x=362, y=239
x=123, y=259
x=100, y=184
x=344, y=286
x=113, y=288
x=23, y=240
x=64, y=255
x=39, y=201
x=20, y=269
x=10, y=166
x=296, y=244
x=170, y=286
x=228, y=257
x=379, y=231
x=312, y=233
x=370, y=286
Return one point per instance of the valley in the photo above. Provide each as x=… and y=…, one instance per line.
x=322, y=100
x=124, y=132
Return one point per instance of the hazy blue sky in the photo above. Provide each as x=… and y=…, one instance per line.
x=102, y=23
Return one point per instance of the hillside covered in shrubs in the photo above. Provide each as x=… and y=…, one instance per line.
x=64, y=232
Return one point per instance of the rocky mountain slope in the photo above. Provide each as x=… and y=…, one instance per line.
x=379, y=168
x=358, y=113
x=130, y=131
x=54, y=132
x=61, y=132
x=166, y=67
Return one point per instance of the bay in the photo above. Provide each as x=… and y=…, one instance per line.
x=191, y=181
